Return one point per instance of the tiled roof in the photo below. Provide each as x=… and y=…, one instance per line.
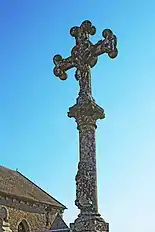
x=58, y=223
x=15, y=184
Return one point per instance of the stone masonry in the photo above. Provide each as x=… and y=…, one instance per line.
x=35, y=215
x=24, y=204
x=86, y=112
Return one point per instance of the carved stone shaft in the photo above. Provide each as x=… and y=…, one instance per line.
x=86, y=195
x=86, y=112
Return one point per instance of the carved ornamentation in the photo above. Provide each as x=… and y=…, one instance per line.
x=86, y=112
x=31, y=206
x=85, y=53
x=90, y=223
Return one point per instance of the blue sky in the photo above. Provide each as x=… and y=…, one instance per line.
x=40, y=140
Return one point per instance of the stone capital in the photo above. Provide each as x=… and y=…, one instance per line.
x=86, y=113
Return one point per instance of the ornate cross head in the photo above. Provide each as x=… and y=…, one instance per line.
x=85, y=53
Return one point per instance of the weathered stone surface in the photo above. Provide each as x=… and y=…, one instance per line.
x=14, y=184
x=37, y=221
x=86, y=112
x=86, y=179
x=23, y=201
x=85, y=52
x=4, y=226
x=90, y=223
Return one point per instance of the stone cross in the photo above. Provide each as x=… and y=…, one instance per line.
x=86, y=112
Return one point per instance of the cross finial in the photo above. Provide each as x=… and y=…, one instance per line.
x=85, y=52
x=82, y=33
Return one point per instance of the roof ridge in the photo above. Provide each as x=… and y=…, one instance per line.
x=55, y=202
x=1, y=166
x=9, y=169
x=63, y=206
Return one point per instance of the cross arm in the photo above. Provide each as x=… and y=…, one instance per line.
x=107, y=45
x=61, y=66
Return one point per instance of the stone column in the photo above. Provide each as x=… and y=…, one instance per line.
x=86, y=112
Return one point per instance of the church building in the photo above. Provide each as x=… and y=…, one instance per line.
x=25, y=207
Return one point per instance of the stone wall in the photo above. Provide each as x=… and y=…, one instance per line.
x=36, y=216
x=36, y=222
